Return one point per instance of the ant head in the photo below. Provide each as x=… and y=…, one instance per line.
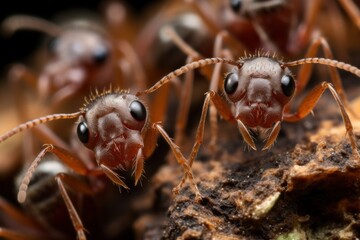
x=113, y=127
x=80, y=46
x=259, y=91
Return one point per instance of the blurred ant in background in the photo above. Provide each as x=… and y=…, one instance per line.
x=82, y=55
x=284, y=27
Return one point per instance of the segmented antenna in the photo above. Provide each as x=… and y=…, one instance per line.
x=186, y=68
x=324, y=61
x=35, y=122
x=26, y=180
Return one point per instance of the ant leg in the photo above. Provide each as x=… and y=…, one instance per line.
x=137, y=72
x=16, y=22
x=222, y=107
x=76, y=185
x=199, y=131
x=184, y=105
x=202, y=9
x=214, y=86
x=305, y=70
x=214, y=78
x=12, y=235
x=20, y=74
x=309, y=103
x=187, y=50
x=223, y=110
x=182, y=161
x=303, y=34
x=69, y=159
x=15, y=215
x=46, y=135
x=115, y=19
x=60, y=95
x=352, y=10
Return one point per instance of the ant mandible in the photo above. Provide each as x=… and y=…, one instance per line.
x=257, y=92
x=116, y=126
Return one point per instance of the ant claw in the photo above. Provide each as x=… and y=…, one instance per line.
x=198, y=197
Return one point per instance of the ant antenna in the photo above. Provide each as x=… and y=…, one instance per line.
x=16, y=22
x=186, y=68
x=324, y=61
x=38, y=121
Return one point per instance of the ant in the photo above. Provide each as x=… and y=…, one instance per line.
x=257, y=94
x=81, y=55
x=115, y=125
x=285, y=27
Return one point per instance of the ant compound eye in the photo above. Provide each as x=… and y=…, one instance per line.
x=236, y=5
x=100, y=54
x=231, y=83
x=137, y=110
x=288, y=85
x=83, y=132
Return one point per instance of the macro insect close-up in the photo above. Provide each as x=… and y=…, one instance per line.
x=189, y=119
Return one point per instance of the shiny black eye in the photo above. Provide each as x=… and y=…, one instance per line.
x=231, y=83
x=83, y=132
x=288, y=85
x=137, y=111
x=236, y=5
x=100, y=54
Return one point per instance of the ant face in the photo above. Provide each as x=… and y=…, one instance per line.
x=259, y=90
x=79, y=57
x=113, y=127
x=81, y=46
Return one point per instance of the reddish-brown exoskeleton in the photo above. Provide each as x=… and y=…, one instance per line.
x=115, y=125
x=81, y=56
x=155, y=52
x=281, y=26
x=44, y=214
x=257, y=94
x=83, y=53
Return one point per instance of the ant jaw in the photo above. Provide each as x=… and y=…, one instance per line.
x=138, y=166
x=114, y=177
x=272, y=136
x=246, y=134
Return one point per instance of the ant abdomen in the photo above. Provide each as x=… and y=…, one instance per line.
x=45, y=204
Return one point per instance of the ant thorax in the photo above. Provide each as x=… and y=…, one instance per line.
x=258, y=91
x=112, y=127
